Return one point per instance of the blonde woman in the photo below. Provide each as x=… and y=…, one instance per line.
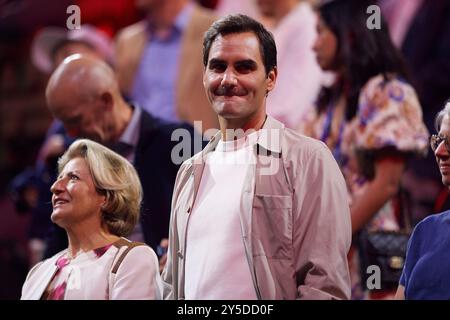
x=96, y=199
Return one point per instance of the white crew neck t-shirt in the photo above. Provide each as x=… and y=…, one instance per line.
x=216, y=264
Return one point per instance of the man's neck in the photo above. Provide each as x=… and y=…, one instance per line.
x=123, y=115
x=235, y=128
x=164, y=16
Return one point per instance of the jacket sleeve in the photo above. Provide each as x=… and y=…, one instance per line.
x=170, y=272
x=322, y=228
x=138, y=276
x=28, y=284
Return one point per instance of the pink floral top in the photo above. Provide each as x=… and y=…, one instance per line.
x=389, y=116
x=57, y=287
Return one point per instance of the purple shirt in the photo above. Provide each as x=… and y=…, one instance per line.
x=154, y=85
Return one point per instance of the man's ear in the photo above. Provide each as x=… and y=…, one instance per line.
x=271, y=79
x=204, y=78
x=107, y=100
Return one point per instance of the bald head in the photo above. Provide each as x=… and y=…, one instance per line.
x=83, y=93
x=85, y=76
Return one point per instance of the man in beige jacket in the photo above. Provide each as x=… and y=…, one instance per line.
x=262, y=212
x=158, y=61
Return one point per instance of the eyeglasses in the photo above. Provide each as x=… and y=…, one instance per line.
x=436, y=140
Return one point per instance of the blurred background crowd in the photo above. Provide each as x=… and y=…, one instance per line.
x=154, y=46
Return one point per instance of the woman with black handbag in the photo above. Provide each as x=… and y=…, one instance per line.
x=370, y=118
x=427, y=263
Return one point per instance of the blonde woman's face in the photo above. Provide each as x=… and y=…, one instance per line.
x=75, y=198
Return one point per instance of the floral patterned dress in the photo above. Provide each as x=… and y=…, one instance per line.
x=57, y=287
x=389, y=117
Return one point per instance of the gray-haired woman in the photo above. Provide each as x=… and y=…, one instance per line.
x=425, y=274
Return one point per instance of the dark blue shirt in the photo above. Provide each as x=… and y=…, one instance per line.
x=426, y=274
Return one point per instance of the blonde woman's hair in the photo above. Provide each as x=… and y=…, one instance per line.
x=113, y=177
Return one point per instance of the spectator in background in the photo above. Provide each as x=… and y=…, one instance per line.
x=420, y=29
x=370, y=117
x=84, y=95
x=225, y=7
x=96, y=199
x=299, y=75
x=158, y=61
x=52, y=45
x=427, y=263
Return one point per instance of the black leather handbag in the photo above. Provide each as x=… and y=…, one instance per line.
x=386, y=249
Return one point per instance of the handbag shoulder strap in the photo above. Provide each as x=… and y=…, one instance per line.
x=120, y=256
x=121, y=243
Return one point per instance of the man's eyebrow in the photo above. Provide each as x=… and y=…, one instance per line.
x=214, y=61
x=249, y=63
